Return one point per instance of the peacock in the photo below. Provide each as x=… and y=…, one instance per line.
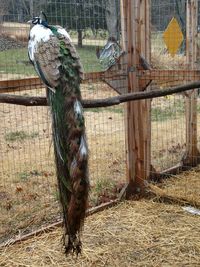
x=57, y=63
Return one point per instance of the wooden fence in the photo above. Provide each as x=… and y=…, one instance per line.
x=131, y=78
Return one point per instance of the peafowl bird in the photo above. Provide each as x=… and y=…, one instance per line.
x=57, y=63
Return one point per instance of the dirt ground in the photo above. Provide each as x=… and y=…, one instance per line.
x=142, y=233
x=28, y=188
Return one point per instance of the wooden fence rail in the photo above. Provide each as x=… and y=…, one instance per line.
x=131, y=80
x=98, y=103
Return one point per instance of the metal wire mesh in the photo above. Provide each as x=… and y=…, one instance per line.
x=171, y=129
x=28, y=190
x=168, y=131
x=169, y=112
x=28, y=186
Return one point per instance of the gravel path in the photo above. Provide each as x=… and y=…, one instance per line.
x=8, y=43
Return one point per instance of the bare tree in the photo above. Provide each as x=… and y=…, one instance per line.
x=112, y=17
x=4, y=4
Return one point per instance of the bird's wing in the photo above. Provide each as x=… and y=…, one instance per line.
x=48, y=59
x=62, y=31
x=47, y=62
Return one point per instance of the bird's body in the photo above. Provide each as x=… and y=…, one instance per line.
x=58, y=65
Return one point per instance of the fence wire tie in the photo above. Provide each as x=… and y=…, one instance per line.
x=132, y=69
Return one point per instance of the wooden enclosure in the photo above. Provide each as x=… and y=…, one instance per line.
x=137, y=30
x=134, y=79
x=133, y=73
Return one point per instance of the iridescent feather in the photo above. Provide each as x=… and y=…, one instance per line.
x=57, y=63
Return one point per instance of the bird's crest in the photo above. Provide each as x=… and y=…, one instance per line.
x=42, y=19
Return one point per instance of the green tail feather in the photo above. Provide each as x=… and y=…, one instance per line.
x=70, y=147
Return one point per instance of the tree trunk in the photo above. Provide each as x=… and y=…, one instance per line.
x=181, y=15
x=80, y=38
x=112, y=18
x=31, y=8
x=3, y=9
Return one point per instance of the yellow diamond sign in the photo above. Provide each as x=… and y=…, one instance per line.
x=173, y=37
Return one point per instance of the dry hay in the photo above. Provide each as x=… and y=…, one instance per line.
x=131, y=234
x=28, y=186
x=28, y=203
x=7, y=76
x=184, y=186
x=163, y=60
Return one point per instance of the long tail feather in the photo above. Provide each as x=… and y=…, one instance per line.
x=71, y=152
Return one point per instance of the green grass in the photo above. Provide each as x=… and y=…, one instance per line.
x=157, y=41
x=102, y=190
x=89, y=59
x=173, y=110
x=114, y=110
x=13, y=61
x=198, y=107
x=26, y=175
x=19, y=136
x=89, y=35
x=102, y=185
x=23, y=176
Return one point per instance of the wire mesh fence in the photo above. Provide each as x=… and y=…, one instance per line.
x=168, y=113
x=28, y=186
x=171, y=111
x=168, y=117
x=28, y=193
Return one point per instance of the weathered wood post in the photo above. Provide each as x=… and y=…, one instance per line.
x=145, y=51
x=191, y=157
x=136, y=41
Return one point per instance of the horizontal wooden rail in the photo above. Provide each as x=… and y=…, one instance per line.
x=166, y=75
x=30, y=83
x=9, y=86
x=95, y=103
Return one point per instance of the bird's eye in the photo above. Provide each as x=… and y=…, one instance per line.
x=36, y=20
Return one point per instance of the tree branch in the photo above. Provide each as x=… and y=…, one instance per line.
x=97, y=103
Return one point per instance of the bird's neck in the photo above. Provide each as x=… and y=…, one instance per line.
x=53, y=29
x=50, y=27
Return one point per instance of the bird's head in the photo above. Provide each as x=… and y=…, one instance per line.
x=42, y=20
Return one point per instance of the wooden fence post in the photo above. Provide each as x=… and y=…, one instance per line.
x=191, y=156
x=136, y=27
x=145, y=51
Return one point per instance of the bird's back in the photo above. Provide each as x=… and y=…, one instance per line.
x=58, y=64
